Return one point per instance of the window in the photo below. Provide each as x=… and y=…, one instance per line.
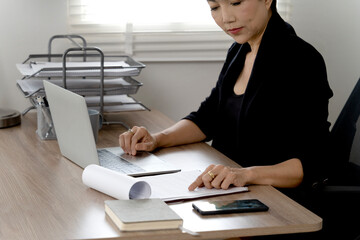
x=144, y=15
x=148, y=32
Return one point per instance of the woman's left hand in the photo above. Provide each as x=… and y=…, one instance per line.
x=220, y=176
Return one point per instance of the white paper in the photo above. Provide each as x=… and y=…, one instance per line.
x=115, y=103
x=168, y=187
x=115, y=184
x=39, y=67
x=25, y=69
x=110, y=99
x=33, y=84
x=174, y=186
x=117, y=86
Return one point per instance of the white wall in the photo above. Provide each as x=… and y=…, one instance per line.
x=176, y=89
x=332, y=26
x=26, y=27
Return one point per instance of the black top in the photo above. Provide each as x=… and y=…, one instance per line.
x=284, y=110
x=229, y=122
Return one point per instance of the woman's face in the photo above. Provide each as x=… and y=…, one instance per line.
x=243, y=20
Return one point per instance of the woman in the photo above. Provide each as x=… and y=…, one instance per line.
x=268, y=110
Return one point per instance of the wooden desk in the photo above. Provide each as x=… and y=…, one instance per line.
x=42, y=195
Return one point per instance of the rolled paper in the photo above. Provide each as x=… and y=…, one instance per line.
x=115, y=184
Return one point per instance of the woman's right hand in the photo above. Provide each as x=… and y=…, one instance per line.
x=137, y=139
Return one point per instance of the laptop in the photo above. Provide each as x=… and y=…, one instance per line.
x=76, y=140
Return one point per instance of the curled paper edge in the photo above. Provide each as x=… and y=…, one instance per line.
x=115, y=184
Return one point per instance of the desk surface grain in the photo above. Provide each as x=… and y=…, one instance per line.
x=42, y=195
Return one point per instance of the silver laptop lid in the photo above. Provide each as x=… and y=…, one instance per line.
x=72, y=125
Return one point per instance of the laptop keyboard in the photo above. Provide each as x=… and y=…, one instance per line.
x=109, y=160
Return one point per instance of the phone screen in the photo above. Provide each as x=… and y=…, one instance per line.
x=230, y=206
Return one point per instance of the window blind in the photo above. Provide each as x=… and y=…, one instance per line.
x=156, y=30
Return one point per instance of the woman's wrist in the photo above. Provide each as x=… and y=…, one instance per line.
x=249, y=175
x=243, y=176
x=159, y=140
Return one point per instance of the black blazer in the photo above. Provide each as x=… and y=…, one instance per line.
x=285, y=106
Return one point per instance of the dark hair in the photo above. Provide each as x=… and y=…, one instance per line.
x=273, y=6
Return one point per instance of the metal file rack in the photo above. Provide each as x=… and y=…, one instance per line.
x=64, y=74
x=106, y=82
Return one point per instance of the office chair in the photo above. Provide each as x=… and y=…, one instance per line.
x=339, y=197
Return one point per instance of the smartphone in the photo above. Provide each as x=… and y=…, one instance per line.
x=229, y=206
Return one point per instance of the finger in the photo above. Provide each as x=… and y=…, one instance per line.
x=207, y=179
x=221, y=173
x=142, y=141
x=127, y=136
x=144, y=147
x=135, y=138
x=212, y=175
x=127, y=142
x=199, y=182
x=209, y=175
x=229, y=179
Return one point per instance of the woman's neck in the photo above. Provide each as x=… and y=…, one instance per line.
x=256, y=41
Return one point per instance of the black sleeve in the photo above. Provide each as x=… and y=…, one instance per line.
x=309, y=113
